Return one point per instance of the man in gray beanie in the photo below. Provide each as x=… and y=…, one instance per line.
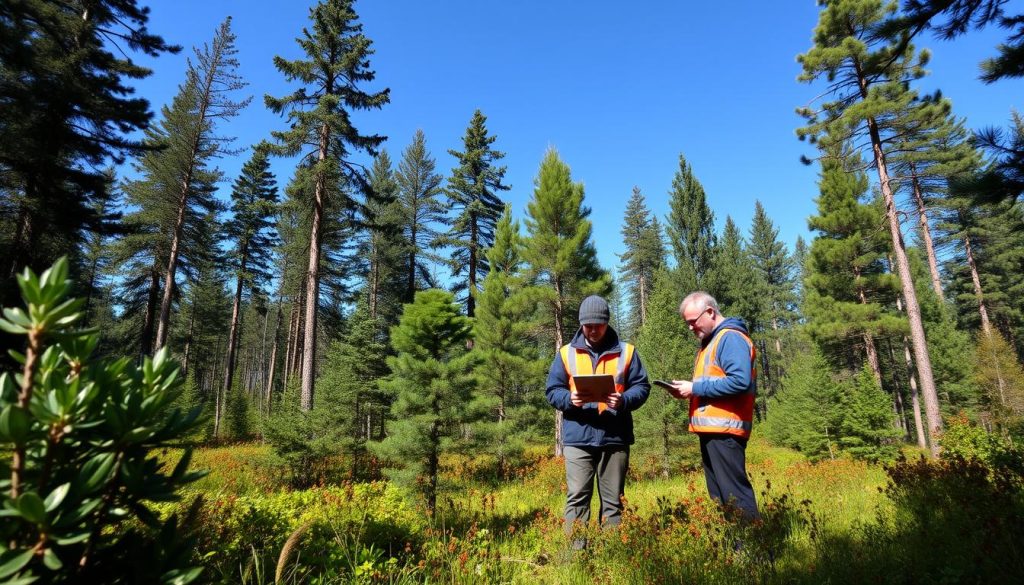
x=596, y=435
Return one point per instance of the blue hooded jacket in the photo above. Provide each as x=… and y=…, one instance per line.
x=733, y=357
x=585, y=426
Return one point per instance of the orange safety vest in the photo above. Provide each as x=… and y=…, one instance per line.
x=733, y=415
x=582, y=364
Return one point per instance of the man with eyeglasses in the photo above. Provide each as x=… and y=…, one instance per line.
x=721, y=397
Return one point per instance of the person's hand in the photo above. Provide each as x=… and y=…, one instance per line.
x=684, y=389
x=575, y=398
x=614, y=400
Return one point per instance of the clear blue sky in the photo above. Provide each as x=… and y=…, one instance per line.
x=620, y=90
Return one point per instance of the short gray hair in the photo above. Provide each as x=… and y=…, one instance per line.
x=702, y=300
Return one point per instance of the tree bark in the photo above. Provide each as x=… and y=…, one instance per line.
x=236, y=321
x=917, y=337
x=313, y=278
x=926, y=232
x=273, y=358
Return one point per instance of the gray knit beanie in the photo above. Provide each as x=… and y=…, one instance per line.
x=594, y=310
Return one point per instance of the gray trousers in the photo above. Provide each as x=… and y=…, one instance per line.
x=581, y=465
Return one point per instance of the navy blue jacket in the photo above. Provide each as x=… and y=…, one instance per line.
x=585, y=426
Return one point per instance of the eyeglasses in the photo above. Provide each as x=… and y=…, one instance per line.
x=695, y=320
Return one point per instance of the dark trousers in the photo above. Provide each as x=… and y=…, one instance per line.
x=725, y=471
x=609, y=464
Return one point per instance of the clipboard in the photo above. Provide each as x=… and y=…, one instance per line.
x=594, y=388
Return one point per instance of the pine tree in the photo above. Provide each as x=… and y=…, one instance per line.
x=691, y=228
x=847, y=287
x=153, y=224
x=869, y=75
x=774, y=268
x=644, y=256
x=353, y=366
x=509, y=406
x=423, y=212
x=805, y=413
x=384, y=247
x=668, y=351
x=336, y=66
x=865, y=431
x=959, y=16
x=209, y=85
x=561, y=257
x=432, y=382
x=68, y=112
x=473, y=192
x=739, y=290
x=932, y=151
x=254, y=205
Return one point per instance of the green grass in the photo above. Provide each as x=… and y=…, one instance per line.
x=840, y=521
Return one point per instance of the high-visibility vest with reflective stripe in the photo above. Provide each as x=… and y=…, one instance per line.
x=578, y=362
x=732, y=415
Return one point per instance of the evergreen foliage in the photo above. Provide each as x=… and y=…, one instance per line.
x=353, y=365
x=691, y=228
x=68, y=111
x=644, y=256
x=870, y=75
x=432, y=382
x=509, y=406
x=473, y=192
x=1000, y=378
x=668, y=350
x=865, y=427
x=559, y=250
x=384, y=247
x=335, y=68
x=423, y=214
x=805, y=414
x=847, y=287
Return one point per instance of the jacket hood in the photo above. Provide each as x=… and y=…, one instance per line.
x=730, y=323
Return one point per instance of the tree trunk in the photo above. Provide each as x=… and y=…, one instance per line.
x=869, y=349
x=185, y=188
x=926, y=232
x=313, y=279
x=917, y=337
x=188, y=340
x=986, y=325
x=236, y=322
x=273, y=357
x=642, y=286
x=471, y=291
x=146, y=345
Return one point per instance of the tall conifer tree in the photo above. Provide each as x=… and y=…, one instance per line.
x=473, y=191
x=869, y=74
x=644, y=256
x=332, y=76
x=423, y=213
x=253, y=205
x=509, y=403
x=847, y=287
x=68, y=111
x=691, y=228
x=210, y=85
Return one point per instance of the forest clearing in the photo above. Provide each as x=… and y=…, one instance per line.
x=258, y=329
